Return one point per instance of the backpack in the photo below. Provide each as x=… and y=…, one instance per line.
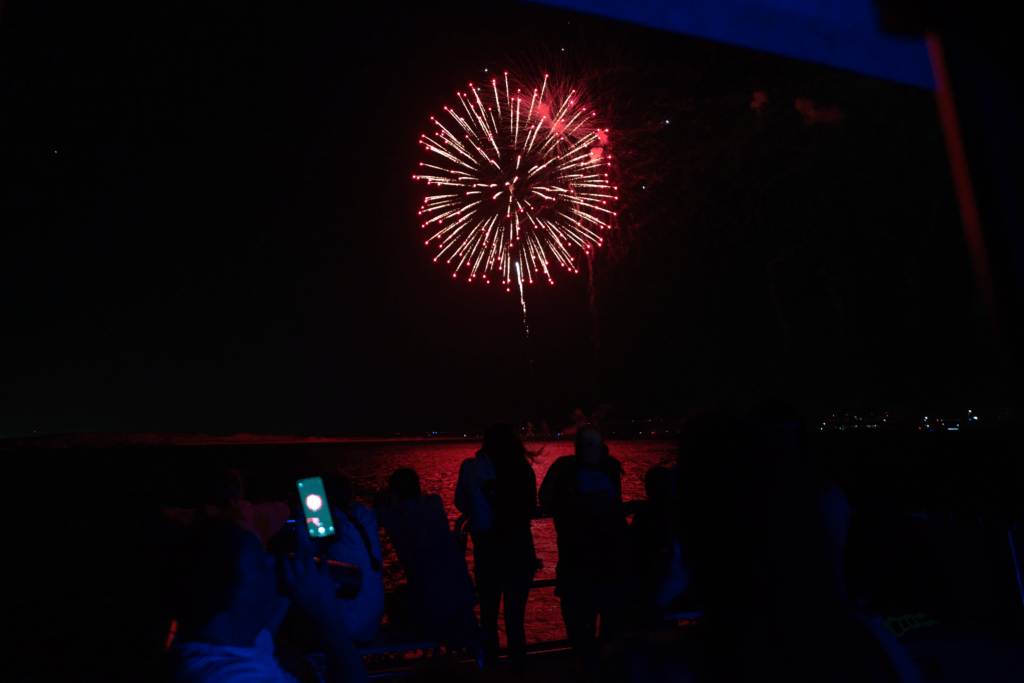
x=592, y=492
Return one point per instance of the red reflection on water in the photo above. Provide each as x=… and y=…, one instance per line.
x=369, y=466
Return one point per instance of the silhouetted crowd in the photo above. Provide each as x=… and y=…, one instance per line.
x=739, y=531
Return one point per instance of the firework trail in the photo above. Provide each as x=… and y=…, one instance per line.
x=522, y=182
x=522, y=300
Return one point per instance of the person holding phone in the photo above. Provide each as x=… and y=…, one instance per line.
x=223, y=497
x=225, y=591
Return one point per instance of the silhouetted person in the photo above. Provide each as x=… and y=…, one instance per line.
x=438, y=596
x=652, y=521
x=357, y=542
x=498, y=489
x=784, y=432
x=597, y=567
x=223, y=497
x=659, y=556
x=223, y=589
x=771, y=609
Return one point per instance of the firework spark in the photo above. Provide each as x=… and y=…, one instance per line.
x=523, y=182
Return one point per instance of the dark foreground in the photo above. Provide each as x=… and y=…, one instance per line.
x=82, y=594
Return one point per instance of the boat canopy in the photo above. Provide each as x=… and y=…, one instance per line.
x=845, y=34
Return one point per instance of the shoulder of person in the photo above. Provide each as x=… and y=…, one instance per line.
x=203, y=663
x=280, y=508
x=344, y=524
x=563, y=463
x=560, y=470
x=366, y=516
x=385, y=516
x=477, y=465
x=183, y=515
x=432, y=500
x=272, y=509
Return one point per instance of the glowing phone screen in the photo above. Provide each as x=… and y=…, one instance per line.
x=319, y=522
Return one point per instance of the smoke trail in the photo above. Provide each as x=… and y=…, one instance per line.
x=529, y=353
x=595, y=337
x=592, y=291
x=522, y=299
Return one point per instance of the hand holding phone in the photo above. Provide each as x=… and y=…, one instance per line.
x=315, y=508
x=308, y=582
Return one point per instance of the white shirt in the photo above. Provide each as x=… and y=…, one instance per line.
x=205, y=663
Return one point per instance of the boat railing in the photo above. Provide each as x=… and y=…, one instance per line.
x=461, y=533
x=461, y=529
x=395, y=641
x=1012, y=528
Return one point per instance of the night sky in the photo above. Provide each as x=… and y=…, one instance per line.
x=208, y=224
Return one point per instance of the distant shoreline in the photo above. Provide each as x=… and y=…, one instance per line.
x=104, y=440
x=129, y=440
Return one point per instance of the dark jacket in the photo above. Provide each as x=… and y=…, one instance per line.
x=585, y=501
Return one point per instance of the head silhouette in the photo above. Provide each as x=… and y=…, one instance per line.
x=405, y=483
x=223, y=488
x=338, y=488
x=658, y=484
x=590, y=445
x=508, y=455
x=784, y=432
x=217, y=567
x=502, y=443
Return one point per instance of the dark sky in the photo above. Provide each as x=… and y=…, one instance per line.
x=208, y=224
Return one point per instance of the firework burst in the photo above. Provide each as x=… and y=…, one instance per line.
x=523, y=182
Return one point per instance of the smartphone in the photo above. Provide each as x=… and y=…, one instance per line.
x=319, y=522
